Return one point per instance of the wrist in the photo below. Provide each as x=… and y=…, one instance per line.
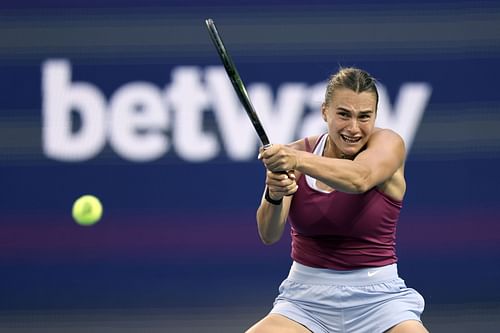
x=298, y=160
x=272, y=201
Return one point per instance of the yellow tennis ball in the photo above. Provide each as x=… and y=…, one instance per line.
x=87, y=210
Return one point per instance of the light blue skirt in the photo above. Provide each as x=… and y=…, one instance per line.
x=368, y=300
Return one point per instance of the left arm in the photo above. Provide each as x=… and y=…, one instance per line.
x=383, y=156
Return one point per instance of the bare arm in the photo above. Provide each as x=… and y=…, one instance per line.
x=271, y=219
x=383, y=156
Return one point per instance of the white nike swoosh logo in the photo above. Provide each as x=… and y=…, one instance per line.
x=372, y=273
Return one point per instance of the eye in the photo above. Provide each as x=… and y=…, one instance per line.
x=343, y=114
x=365, y=117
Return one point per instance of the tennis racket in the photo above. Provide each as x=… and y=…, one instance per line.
x=238, y=85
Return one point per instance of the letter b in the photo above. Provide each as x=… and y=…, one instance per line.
x=60, y=98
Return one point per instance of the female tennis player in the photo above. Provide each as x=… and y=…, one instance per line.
x=342, y=200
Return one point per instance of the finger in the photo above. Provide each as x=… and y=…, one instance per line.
x=275, y=166
x=270, y=151
x=284, y=191
x=291, y=186
x=280, y=183
x=287, y=184
x=293, y=190
x=261, y=151
x=277, y=175
x=279, y=190
x=280, y=179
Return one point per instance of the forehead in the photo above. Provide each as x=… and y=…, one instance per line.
x=350, y=99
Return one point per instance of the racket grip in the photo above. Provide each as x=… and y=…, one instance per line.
x=267, y=146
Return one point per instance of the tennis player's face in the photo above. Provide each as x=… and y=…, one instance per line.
x=351, y=119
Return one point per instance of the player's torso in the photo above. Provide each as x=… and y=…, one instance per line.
x=372, y=214
x=318, y=209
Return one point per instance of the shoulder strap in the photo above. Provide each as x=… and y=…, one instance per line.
x=310, y=148
x=308, y=144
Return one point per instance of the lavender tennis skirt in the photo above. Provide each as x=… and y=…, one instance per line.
x=370, y=300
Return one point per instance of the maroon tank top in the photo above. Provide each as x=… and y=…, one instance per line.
x=343, y=231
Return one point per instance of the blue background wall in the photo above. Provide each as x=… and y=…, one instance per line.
x=181, y=234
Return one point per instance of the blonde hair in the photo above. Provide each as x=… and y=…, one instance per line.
x=352, y=78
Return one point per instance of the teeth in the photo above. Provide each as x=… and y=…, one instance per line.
x=350, y=139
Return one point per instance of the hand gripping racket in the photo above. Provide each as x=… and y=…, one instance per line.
x=238, y=85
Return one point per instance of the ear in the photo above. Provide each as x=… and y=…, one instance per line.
x=324, y=110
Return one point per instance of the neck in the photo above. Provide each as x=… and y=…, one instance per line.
x=331, y=150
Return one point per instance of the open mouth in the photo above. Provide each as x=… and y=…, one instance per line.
x=350, y=139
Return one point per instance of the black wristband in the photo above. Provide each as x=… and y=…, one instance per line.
x=271, y=200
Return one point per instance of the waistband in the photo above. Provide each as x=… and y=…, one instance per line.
x=358, y=277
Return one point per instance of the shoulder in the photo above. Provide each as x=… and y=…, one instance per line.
x=302, y=143
x=386, y=137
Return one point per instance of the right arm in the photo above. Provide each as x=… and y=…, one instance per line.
x=271, y=219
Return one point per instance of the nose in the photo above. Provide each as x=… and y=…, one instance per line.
x=353, y=126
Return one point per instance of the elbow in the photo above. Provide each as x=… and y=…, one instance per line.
x=361, y=183
x=359, y=187
x=270, y=229
x=267, y=236
x=268, y=240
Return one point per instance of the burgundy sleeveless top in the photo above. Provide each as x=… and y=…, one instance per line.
x=343, y=231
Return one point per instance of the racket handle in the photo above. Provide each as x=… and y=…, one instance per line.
x=280, y=172
x=267, y=146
